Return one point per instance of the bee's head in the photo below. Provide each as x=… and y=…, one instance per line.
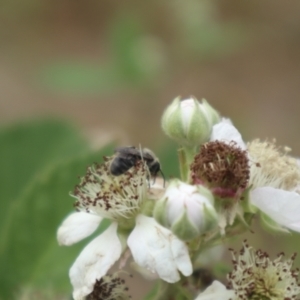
x=154, y=168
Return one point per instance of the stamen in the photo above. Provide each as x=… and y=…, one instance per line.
x=223, y=167
x=109, y=287
x=255, y=276
x=109, y=196
x=272, y=166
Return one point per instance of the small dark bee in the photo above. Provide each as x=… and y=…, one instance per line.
x=127, y=157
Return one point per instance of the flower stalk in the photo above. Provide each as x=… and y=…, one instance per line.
x=186, y=156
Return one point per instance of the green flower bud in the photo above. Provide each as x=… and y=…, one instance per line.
x=186, y=209
x=189, y=122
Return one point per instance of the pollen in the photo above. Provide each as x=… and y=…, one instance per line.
x=271, y=166
x=112, y=197
x=255, y=276
x=221, y=166
x=109, y=287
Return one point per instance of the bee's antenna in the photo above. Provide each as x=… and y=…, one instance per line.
x=142, y=158
x=141, y=152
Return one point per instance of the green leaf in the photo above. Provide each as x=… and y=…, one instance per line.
x=26, y=149
x=31, y=255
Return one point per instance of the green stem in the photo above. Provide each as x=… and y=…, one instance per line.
x=161, y=291
x=186, y=156
x=181, y=293
x=182, y=164
x=167, y=291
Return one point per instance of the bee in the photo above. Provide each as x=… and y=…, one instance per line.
x=127, y=157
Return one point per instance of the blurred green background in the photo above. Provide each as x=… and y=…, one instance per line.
x=78, y=77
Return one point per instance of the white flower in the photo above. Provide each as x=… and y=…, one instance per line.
x=118, y=198
x=281, y=206
x=226, y=132
x=216, y=291
x=223, y=167
x=101, y=195
x=94, y=261
x=76, y=227
x=109, y=287
x=186, y=209
x=158, y=250
x=153, y=247
x=256, y=276
x=274, y=179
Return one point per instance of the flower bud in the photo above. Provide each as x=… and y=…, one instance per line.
x=186, y=209
x=189, y=122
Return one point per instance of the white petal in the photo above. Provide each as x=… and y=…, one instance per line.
x=187, y=109
x=76, y=227
x=180, y=254
x=158, y=250
x=281, y=206
x=94, y=261
x=226, y=132
x=216, y=291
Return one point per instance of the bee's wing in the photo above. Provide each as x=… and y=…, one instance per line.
x=148, y=155
x=127, y=150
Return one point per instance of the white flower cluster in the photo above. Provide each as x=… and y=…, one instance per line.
x=224, y=183
x=119, y=198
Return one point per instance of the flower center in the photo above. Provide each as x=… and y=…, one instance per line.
x=223, y=167
x=272, y=166
x=109, y=287
x=112, y=197
x=256, y=277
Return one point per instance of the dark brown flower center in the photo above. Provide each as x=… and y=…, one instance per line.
x=223, y=167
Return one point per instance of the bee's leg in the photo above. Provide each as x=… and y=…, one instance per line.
x=154, y=179
x=163, y=176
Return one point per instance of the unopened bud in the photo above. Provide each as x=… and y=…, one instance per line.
x=189, y=122
x=186, y=209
